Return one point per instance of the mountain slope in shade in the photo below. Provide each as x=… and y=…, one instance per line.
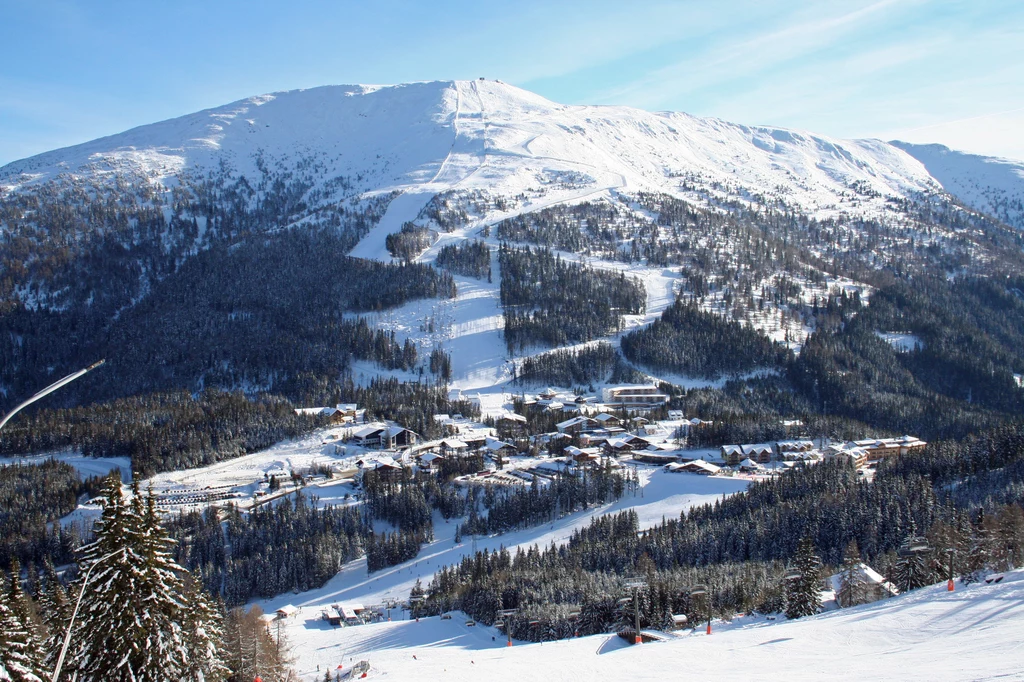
x=988, y=184
x=487, y=135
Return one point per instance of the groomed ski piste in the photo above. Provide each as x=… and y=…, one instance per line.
x=972, y=633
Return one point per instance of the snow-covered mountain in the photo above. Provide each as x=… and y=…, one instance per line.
x=760, y=223
x=489, y=135
x=989, y=184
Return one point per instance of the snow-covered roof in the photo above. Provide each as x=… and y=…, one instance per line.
x=867, y=574
x=453, y=443
x=572, y=422
x=287, y=610
x=368, y=431
x=697, y=464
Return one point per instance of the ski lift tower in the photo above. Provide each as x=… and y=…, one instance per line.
x=635, y=584
x=702, y=591
x=915, y=547
x=506, y=620
x=415, y=602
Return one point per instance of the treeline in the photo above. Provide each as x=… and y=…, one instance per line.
x=469, y=259
x=570, y=367
x=173, y=431
x=408, y=242
x=33, y=497
x=600, y=229
x=548, y=301
x=556, y=598
x=161, y=431
x=954, y=377
x=696, y=343
x=411, y=404
x=274, y=548
x=956, y=380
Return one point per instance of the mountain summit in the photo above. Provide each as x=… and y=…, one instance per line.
x=489, y=135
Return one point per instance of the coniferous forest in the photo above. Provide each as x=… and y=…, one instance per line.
x=470, y=259
x=689, y=341
x=540, y=310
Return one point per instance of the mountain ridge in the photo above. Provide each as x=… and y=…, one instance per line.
x=413, y=129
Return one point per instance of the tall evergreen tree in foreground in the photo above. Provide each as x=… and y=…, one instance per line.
x=803, y=584
x=136, y=623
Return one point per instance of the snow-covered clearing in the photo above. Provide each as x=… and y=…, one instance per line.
x=901, y=341
x=930, y=634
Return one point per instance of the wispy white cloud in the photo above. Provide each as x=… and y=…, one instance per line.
x=791, y=36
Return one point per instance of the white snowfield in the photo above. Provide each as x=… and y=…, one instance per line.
x=989, y=184
x=429, y=137
x=930, y=634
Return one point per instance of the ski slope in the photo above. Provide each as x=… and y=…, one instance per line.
x=929, y=634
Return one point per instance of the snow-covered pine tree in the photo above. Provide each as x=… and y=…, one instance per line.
x=852, y=584
x=54, y=606
x=977, y=556
x=162, y=652
x=25, y=611
x=20, y=658
x=129, y=626
x=203, y=634
x=55, y=610
x=803, y=596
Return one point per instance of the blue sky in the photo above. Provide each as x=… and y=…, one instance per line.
x=946, y=71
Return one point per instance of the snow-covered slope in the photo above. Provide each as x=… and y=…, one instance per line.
x=387, y=155
x=929, y=634
x=988, y=184
x=428, y=137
